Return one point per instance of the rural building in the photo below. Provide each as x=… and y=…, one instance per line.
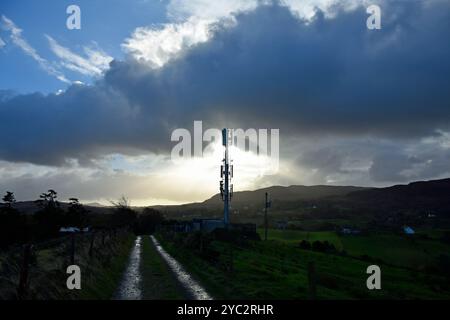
x=348, y=230
x=408, y=230
x=73, y=229
x=207, y=225
x=282, y=225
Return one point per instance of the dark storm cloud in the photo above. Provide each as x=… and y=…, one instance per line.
x=271, y=70
x=399, y=165
x=389, y=166
x=375, y=161
x=81, y=123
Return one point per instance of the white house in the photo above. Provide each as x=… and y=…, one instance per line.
x=408, y=230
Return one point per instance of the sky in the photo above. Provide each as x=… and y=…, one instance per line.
x=90, y=112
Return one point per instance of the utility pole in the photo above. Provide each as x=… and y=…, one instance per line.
x=267, y=205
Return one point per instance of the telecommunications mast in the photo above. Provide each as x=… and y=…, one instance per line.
x=226, y=173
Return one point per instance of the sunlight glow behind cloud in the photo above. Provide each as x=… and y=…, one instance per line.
x=351, y=113
x=157, y=45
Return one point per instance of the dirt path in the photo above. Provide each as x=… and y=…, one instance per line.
x=152, y=274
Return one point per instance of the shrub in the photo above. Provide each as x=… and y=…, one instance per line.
x=324, y=246
x=305, y=245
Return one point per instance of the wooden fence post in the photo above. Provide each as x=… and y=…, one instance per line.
x=24, y=271
x=91, y=246
x=312, y=280
x=72, y=249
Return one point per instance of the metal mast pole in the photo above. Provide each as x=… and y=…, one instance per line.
x=265, y=217
x=267, y=205
x=226, y=174
x=226, y=207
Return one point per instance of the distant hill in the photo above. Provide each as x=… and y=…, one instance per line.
x=431, y=196
x=319, y=202
x=94, y=204
x=252, y=202
x=284, y=194
x=312, y=202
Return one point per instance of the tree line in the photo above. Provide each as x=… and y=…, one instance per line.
x=17, y=227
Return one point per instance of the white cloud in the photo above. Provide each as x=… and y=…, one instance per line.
x=18, y=40
x=441, y=139
x=204, y=9
x=2, y=43
x=194, y=20
x=156, y=46
x=93, y=64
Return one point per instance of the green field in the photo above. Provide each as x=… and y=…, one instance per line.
x=397, y=250
x=295, y=236
x=277, y=269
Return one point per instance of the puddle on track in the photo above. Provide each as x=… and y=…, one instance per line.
x=130, y=285
x=192, y=287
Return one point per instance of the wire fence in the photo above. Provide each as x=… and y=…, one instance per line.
x=38, y=270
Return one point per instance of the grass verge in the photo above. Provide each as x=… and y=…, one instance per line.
x=278, y=270
x=104, y=278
